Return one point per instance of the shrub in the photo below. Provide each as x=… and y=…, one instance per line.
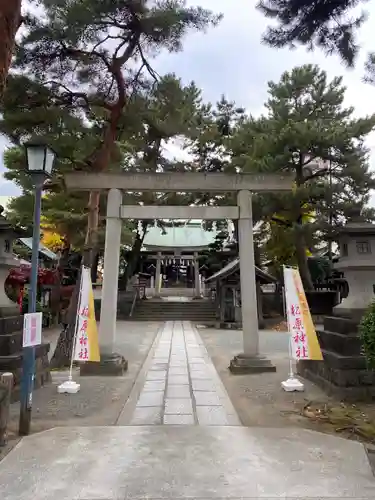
x=367, y=335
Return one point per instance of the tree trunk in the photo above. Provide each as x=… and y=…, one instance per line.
x=56, y=298
x=300, y=242
x=10, y=19
x=134, y=257
x=94, y=267
x=302, y=260
x=64, y=347
x=100, y=162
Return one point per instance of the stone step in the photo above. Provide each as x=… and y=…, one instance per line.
x=347, y=393
x=180, y=308
x=342, y=362
x=11, y=343
x=337, y=324
x=341, y=378
x=174, y=318
x=170, y=315
x=172, y=303
x=341, y=343
x=161, y=308
x=201, y=311
x=196, y=321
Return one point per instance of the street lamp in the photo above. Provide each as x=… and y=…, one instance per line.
x=39, y=164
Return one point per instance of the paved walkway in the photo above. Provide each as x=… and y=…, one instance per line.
x=179, y=384
x=178, y=437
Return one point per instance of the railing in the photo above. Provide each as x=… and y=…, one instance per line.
x=134, y=302
x=139, y=293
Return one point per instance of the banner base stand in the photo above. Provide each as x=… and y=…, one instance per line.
x=69, y=387
x=292, y=384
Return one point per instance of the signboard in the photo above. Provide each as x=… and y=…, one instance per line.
x=304, y=342
x=32, y=329
x=86, y=344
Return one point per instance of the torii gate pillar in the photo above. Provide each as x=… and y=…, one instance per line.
x=249, y=361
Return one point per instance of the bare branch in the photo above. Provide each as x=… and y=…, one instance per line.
x=146, y=64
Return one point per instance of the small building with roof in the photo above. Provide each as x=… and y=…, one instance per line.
x=171, y=255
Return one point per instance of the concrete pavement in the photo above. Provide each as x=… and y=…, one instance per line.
x=167, y=445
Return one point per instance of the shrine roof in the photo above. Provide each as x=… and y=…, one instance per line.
x=190, y=236
x=42, y=249
x=234, y=266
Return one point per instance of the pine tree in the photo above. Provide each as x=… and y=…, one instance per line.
x=25, y=114
x=328, y=24
x=80, y=51
x=308, y=131
x=166, y=110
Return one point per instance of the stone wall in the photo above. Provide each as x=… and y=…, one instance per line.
x=343, y=372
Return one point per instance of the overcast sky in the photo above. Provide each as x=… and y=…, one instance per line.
x=231, y=60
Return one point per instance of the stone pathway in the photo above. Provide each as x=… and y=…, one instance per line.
x=179, y=384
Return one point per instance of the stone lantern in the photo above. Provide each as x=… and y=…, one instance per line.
x=357, y=263
x=8, y=233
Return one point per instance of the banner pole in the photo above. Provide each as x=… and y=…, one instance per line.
x=70, y=386
x=291, y=372
x=76, y=328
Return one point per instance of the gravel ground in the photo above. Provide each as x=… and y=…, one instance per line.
x=100, y=399
x=259, y=398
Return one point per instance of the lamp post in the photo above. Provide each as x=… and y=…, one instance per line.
x=39, y=161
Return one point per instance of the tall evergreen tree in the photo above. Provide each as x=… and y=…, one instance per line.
x=308, y=131
x=80, y=51
x=167, y=110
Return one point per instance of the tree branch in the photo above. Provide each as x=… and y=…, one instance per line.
x=77, y=95
x=146, y=64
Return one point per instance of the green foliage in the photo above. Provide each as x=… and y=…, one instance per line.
x=85, y=45
x=307, y=132
x=86, y=70
x=332, y=25
x=367, y=335
x=323, y=23
x=25, y=302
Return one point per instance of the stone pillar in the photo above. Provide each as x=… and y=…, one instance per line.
x=249, y=361
x=110, y=362
x=197, y=291
x=158, y=275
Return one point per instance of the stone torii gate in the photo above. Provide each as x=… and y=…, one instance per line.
x=250, y=361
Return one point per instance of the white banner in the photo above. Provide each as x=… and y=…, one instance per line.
x=82, y=348
x=296, y=327
x=303, y=340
